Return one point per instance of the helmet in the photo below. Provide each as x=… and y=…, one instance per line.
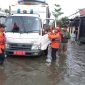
x=58, y=29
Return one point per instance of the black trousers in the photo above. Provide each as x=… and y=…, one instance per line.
x=2, y=57
x=53, y=53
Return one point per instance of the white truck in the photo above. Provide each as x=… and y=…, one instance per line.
x=26, y=37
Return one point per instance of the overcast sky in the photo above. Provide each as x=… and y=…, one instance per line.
x=68, y=6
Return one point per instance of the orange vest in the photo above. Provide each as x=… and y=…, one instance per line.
x=55, y=40
x=2, y=41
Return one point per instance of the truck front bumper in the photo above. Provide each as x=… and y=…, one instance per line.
x=23, y=53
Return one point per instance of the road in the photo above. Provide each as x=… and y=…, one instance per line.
x=67, y=70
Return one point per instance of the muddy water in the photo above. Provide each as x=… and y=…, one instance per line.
x=67, y=70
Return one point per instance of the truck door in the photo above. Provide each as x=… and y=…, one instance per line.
x=44, y=40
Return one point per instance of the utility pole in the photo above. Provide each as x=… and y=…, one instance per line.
x=9, y=10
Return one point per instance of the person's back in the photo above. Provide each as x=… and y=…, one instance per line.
x=56, y=39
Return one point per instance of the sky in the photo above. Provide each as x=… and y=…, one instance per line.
x=68, y=6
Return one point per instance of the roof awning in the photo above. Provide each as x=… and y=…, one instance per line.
x=82, y=12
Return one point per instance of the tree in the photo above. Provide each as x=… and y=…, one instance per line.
x=57, y=12
x=63, y=21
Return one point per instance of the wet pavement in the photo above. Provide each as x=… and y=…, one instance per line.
x=67, y=70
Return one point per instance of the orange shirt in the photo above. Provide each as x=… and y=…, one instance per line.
x=2, y=41
x=55, y=40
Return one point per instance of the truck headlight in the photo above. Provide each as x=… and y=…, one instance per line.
x=7, y=45
x=36, y=46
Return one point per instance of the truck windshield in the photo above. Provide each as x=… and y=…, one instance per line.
x=22, y=24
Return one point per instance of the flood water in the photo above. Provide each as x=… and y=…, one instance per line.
x=67, y=70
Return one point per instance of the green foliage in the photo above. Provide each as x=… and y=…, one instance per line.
x=63, y=21
x=57, y=11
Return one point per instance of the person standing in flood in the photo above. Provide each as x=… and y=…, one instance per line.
x=65, y=36
x=55, y=43
x=73, y=37
x=2, y=43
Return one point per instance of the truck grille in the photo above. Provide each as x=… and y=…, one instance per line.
x=20, y=46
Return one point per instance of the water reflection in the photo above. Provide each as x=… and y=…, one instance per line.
x=67, y=70
x=2, y=75
x=76, y=64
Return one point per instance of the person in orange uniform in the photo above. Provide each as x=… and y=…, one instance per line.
x=2, y=43
x=61, y=34
x=55, y=42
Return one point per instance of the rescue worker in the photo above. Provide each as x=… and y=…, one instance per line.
x=55, y=43
x=59, y=31
x=2, y=43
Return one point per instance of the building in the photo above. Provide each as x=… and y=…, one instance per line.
x=78, y=24
x=82, y=12
x=2, y=16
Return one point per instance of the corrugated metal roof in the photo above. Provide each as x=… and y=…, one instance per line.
x=82, y=12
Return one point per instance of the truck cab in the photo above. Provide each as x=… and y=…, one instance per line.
x=24, y=35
